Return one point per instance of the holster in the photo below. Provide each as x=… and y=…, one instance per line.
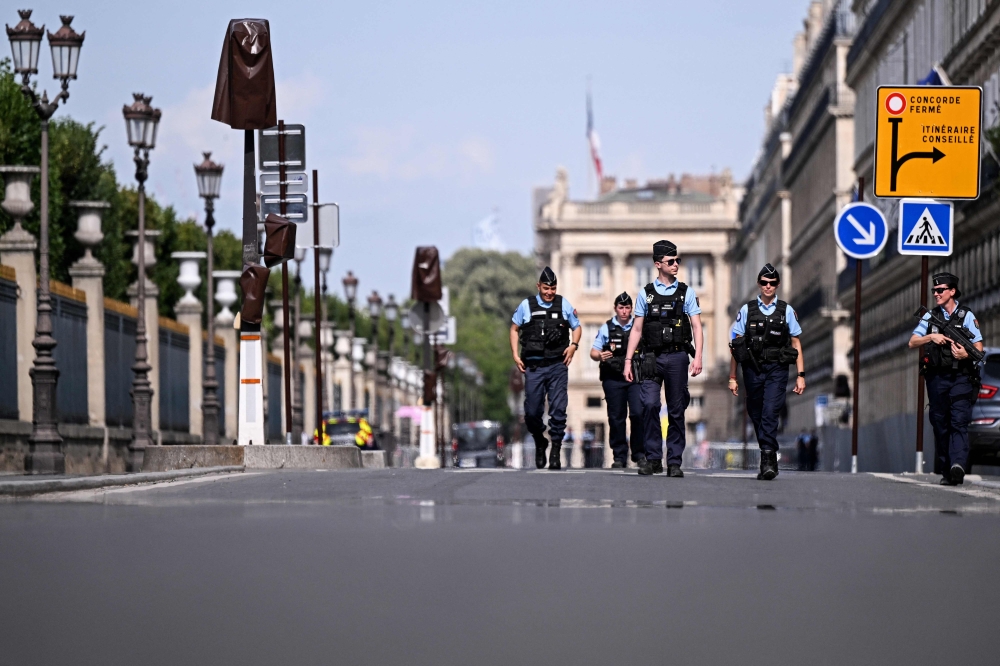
x=738, y=348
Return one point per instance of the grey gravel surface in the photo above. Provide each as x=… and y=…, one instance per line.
x=508, y=567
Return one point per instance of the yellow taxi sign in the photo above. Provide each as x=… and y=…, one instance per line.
x=927, y=141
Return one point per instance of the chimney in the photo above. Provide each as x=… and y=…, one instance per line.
x=609, y=184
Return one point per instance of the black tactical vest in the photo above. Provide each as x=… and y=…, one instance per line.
x=617, y=344
x=666, y=327
x=546, y=334
x=939, y=358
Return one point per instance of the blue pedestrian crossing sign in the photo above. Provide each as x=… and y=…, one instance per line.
x=926, y=227
x=860, y=230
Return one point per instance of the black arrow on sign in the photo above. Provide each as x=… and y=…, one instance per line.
x=933, y=155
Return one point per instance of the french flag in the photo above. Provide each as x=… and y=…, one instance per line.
x=595, y=141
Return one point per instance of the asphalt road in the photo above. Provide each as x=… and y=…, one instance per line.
x=507, y=567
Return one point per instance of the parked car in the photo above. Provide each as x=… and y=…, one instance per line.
x=477, y=444
x=984, y=431
x=347, y=430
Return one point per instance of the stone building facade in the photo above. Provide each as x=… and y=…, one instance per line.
x=600, y=248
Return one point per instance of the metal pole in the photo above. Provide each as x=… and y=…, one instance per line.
x=45, y=454
x=857, y=348
x=251, y=397
x=210, y=401
x=297, y=390
x=920, y=380
x=286, y=338
x=142, y=391
x=316, y=309
x=350, y=354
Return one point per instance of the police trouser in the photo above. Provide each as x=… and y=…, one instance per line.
x=624, y=399
x=950, y=397
x=539, y=382
x=671, y=374
x=765, y=392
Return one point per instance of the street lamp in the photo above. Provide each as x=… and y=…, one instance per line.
x=375, y=312
x=391, y=314
x=141, y=122
x=324, y=256
x=209, y=176
x=350, y=292
x=45, y=455
x=297, y=422
x=404, y=323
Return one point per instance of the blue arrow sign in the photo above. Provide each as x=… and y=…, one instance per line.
x=926, y=227
x=860, y=230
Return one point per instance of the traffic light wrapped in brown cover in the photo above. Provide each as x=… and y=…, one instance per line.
x=253, y=282
x=244, y=88
x=279, y=245
x=426, y=284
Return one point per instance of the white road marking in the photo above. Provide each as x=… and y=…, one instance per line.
x=97, y=493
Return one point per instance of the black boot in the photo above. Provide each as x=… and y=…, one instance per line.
x=768, y=465
x=675, y=472
x=619, y=463
x=554, y=462
x=645, y=468
x=657, y=466
x=957, y=474
x=540, y=453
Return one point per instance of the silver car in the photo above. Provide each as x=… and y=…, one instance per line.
x=477, y=444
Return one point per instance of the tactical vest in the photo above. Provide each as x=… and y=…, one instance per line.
x=617, y=344
x=546, y=334
x=939, y=358
x=666, y=328
x=767, y=335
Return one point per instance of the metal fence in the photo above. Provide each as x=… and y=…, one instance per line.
x=69, y=328
x=119, y=354
x=8, y=349
x=175, y=392
x=274, y=379
x=220, y=378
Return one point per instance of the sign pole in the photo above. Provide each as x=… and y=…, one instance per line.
x=251, y=360
x=286, y=338
x=920, y=380
x=317, y=310
x=857, y=348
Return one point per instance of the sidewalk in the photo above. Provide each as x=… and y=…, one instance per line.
x=23, y=486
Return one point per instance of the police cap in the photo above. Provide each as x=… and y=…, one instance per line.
x=623, y=299
x=769, y=272
x=948, y=280
x=664, y=248
x=547, y=277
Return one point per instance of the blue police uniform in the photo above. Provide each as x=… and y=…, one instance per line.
x=950, y=395
x=547, y=374
x=670, y=369
x=624, y=400
x=765, y=389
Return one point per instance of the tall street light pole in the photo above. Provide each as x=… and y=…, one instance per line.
x=297, y=390
x=391, y=313
x=323, y=257
x=209, y=175
x=375, y=312
x=141, y=122
x=351, y=292
x=45, y=455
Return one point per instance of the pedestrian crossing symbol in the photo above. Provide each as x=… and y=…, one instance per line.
x=926, y=227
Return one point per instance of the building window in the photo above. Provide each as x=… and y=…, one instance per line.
x=593, y=273
x=593, y=401
x=643, y=272
x=695, y=272
x=697, y=401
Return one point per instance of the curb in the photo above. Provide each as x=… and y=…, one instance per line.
x=28, y=488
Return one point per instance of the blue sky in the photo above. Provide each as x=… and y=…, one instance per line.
x=422, y=117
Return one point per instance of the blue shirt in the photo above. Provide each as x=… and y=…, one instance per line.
x=523, y=313
x=740, y=327
x=691, y=306
x=969, y=323
x=602, y=335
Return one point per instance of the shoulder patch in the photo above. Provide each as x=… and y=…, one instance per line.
x=574, y=312
x=697, y=302
x=975, y=321
x=739, y=315
x=792, y=314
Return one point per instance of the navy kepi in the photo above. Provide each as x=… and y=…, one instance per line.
x=664, y=248
x=547, y=277
x=623, y=299
x=769, y=272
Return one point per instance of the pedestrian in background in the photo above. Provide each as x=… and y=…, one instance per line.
x=540, y=330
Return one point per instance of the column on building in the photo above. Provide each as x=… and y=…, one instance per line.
x=720, y=276
x=189, y=313
x=618, y=284
x=786, y=241
x=225, y=296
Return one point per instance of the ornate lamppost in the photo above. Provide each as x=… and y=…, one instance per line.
x=209, y=176
x=375, y=312
x=324, y=256
x=141, y=122
x=351, y=292
x=391, y=314
x=45, y=454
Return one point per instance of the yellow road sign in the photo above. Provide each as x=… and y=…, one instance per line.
x=927, y=141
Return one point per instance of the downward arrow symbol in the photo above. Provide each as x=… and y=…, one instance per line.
x=867, y=237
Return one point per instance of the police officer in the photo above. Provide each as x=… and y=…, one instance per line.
x=952, y=379
x=542, y=325
x=622, y=396
x=668, y=324
x=765, y=341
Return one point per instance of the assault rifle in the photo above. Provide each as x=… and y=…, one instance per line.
x=952, y=332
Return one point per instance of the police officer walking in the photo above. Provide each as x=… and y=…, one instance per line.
x=952, y=377
x=765, y=342
x=542, y=325
x=623, y=396
x=668, y=324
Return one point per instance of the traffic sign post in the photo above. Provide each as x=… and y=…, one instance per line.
x=926, y=227
x=927, y=141
x=861, y=232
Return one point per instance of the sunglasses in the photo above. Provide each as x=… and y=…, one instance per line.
x=767, y=283
x=671, y=262
x=940, y=290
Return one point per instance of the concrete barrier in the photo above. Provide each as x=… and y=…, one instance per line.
x=374, y=459
x=162, y=458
